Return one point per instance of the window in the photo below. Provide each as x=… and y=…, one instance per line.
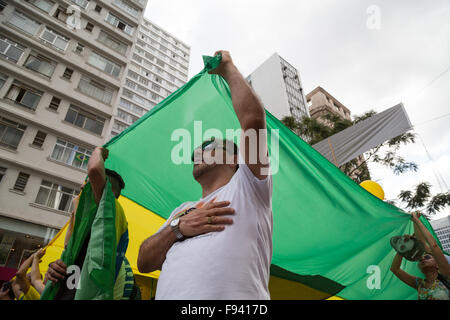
x=149, y=56
x=112, y=43
x=141, y=43
x=54, y=104
x=81, y=3
x=104, y=64
x=97, y=8
x=2, y=173
x=24, y=95
x=159, y=62
x=143, y=81
x=24, y=23
x=67, y=73
x=126, y=116
x=130, y=84
x=71, y=154
x=40, y=64
x=3, y=78
x=55, y=39
x=140, y=51
x=132, y=107
x=10, y=50
x=85, y=120
x=128, y=93
x=3, y=4
x=142, y=90
x=133, y=75
x=61, y=14
x=95, y=90
x=44, y=5
x=112, y=19
x=79, y=48
x=21, y=181
x=127, y=8
x=156, y=87
x=119, y=126
x=55, y=196
x=11, y=133
x=39, y=139
x=137, y=58
x=89, y=27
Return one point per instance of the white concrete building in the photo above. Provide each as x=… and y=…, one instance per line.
x=278, y=85
x=60, y=78
x=442, y=229
x=159, y=66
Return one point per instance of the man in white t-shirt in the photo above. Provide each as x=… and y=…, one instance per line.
x=220, y=247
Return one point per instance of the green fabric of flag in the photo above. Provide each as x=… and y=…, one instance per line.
x=84, y=217
x=329, y=233
x=106, y=249
x=99, y=267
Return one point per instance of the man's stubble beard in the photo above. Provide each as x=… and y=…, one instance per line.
x=201, y=169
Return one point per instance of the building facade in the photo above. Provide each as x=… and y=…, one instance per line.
x=279, y=87
x=159, y=66
x=442, y=229
x=64, y=67
x=322, y=103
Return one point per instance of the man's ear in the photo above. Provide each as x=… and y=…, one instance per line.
x=236, y=161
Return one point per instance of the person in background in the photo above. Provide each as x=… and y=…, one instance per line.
x=433, y=265
x=7, y=292
x=35, y=274
x=23, y=280
x=125, y=286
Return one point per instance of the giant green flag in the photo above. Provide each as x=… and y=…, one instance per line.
x=331, y=237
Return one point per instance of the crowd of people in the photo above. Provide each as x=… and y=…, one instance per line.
x=197, y=247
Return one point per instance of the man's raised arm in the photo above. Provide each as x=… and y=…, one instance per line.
x=250, y=113
x=96, y=172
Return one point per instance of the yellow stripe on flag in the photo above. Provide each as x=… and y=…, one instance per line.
x=142, y=223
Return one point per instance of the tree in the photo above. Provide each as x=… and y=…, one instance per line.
x=386, y=154
x=421, y=199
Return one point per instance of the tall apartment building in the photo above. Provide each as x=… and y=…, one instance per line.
x=321, y=103
x=159, y=66
x=62, y=66
x=442, y=229
x=278, y=85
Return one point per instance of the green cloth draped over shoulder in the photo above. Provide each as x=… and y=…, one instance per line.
x=108, y=242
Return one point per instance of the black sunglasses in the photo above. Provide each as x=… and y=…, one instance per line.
x=203, y=146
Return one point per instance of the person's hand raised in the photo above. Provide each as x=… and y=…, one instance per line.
x=226, y=62
x=415, y=216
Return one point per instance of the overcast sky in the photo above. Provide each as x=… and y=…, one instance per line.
x=367, y=54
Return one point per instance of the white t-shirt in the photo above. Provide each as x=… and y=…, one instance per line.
x=233, y=264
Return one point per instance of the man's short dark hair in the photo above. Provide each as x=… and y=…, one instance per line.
x=113, y=174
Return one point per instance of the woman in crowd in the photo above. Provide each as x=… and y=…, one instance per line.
x=433, y=265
